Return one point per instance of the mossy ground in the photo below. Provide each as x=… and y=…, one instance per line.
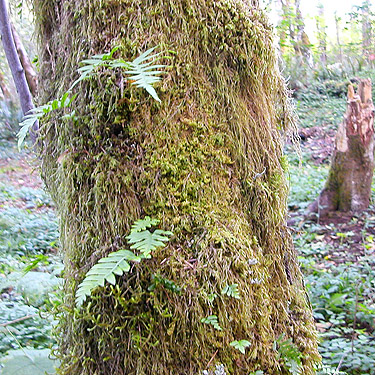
x=207, y=162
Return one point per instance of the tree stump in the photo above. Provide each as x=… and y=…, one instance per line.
x=348, y=187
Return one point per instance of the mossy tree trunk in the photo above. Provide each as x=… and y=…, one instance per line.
x=348, y=187
x=207, y=161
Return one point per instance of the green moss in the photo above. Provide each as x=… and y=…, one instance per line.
x=195, y=161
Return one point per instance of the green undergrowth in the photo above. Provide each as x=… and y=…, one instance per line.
x=32, y=197
x=28, y=242
x=306, y=182
x=26, y=232
x=322, y=104
x=343, y=299
x=342, y=292
x=338, y=263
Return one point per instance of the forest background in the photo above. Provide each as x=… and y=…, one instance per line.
x=322, y=48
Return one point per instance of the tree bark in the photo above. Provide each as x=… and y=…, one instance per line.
x=15, y=66
x=5, y=94
x=31, y=76
x=348, y=187
x=207, y=162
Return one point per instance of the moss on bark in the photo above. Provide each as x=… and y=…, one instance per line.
x=207, y=162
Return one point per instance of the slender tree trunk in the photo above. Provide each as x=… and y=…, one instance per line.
x=348, y=187
x=322, y=34
x=207, y=161
x=337, y=23
x=15, y=65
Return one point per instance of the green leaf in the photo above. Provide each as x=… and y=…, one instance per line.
x=143, y=74
x=240, y=345
x=28, y=361
x=38, y=112
x=55, y=104
x=168, y=284
x=115, y=263
x=146, y=241
x=143, y=224
x=231, y=291
x=34, y=263
x=289, y=353
x=212, y=320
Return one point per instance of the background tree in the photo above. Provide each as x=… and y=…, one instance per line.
x=207, y=161
x=348, y=187
x=294, y=43
x=321, y=34
x=367, y=31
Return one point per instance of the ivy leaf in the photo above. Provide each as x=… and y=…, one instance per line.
x=240, y=345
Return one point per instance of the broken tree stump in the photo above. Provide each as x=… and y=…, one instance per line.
x=348, y=186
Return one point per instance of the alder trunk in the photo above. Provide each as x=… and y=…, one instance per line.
x=207, y=162
x=348, y=187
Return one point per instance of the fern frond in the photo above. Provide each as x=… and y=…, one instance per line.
x=212, y=320
x=105, y=270
x=38, y=112
x=143, y=224
x=142, y=72
x=231, y=291
x=145, y=241
x=117, y=263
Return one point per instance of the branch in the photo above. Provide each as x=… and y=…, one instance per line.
x=15, y=66
x=18, y=320
x=31, y=76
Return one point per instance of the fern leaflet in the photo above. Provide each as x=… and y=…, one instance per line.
x=37, y=113
x=240, y=345
x=105, y=270
x=143, y=224
x=231, y=291
x=145, y=241
x=212, y=320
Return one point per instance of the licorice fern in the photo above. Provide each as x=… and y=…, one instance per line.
x=141, y=72
x=117, y=263
x=37, y=113
x=289, y=354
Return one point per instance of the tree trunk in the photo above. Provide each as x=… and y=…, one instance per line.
x=207, y=161
x=348, y=187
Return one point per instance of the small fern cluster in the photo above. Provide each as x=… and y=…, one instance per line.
x=289, y=354
x=140, y=72
x=117, y=263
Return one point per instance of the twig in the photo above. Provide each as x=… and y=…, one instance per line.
x=18, y=320
x=209, y=363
